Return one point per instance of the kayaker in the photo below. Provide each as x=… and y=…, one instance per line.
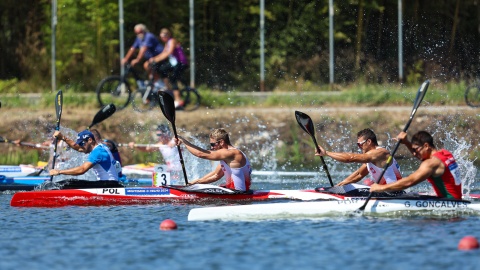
x=234, y=164
x=112, y=146
x=373, y=158
x=438, y=167
x=100, y=158
x=166, y=146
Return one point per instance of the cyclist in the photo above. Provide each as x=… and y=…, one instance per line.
x=147, y=46
x=171, y=60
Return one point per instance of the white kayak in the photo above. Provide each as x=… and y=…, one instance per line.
x=328, y=208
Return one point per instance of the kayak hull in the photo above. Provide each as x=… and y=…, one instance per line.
x=149, y=195
x=327, y=208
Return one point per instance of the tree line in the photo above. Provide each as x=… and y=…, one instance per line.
x=440, y=40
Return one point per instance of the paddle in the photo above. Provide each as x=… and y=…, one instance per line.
x=418, y=100
x=306, y=124
x=168, y=109
x=58, y=109
x=3, y=140
x=103, y=114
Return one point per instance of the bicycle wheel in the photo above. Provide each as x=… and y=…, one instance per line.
x=191, y=97
x=472, y=95
x=141, y=103
x=114, y=90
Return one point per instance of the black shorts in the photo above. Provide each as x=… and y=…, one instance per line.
x=165, y=69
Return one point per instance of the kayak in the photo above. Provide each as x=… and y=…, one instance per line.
x=148, y=195
x=146, y=169
x=395, y=205
x=20, y=170
x=21, y=182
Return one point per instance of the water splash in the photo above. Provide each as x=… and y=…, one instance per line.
x=460, y=150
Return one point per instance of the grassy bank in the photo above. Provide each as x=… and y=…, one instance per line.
x=285, y=95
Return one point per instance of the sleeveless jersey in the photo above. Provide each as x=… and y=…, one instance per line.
x=237, y=178
x=178, y=54
x=103, y=163
x=449, y=184
x=392, y=174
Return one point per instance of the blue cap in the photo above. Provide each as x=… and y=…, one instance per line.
x=83, y=136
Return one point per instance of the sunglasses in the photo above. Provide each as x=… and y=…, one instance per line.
x=360, y=144
x=417, y=149
x=83, y=143
x=215, y=143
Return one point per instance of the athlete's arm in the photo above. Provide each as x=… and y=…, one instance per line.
x=210, y=177
x=426, y=169
x=221, y=154
x=371, y=156
x=355, y=176
x=74, y=171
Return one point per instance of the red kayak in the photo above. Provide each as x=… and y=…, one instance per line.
x=148, y=195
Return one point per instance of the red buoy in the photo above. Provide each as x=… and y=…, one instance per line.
x=167, y=225
x=468, y=242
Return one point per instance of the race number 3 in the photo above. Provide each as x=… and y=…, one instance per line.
x=160, y=177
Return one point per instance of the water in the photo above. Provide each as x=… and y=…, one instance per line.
x=118, y=237
x=128, y=237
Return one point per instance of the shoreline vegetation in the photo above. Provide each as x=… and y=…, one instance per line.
x=260, y=123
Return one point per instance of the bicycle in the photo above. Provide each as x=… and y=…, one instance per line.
x=117, y=89
x=472, y=94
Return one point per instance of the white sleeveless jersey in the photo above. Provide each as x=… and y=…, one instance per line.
x=392, y=174
x=237, y=178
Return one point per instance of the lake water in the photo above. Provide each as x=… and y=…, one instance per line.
x=128, y=237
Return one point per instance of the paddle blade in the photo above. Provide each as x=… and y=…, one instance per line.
x=418, y=100
x=103, y=114
x=58, y=107
x=167, y=105
x=2, y=139
x=305, y=122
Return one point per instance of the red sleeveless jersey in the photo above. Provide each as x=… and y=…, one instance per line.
x=449, y=184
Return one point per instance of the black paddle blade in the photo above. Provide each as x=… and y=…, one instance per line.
x=305, y=122
x=58, y=107
x=167, y=105
x=103, y=114
x=2, y=139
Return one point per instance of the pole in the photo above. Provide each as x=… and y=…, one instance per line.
x=262, y=45
x=121, y=26
x=400, y=42
x=54, y=31
x=330, y=38
x=192, y=45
